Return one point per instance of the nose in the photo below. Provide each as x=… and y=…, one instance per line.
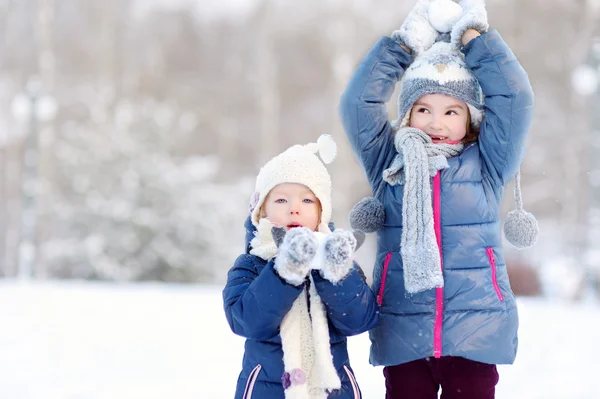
x=436, y=123
x=294, y=208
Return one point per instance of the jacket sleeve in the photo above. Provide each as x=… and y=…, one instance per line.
x=255, y=303
x=351, y=305
x=363, y=107
x=508, y=100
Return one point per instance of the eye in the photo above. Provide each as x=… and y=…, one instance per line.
x=280, y=201
x=451, y=112
x=422, y=110
x=308, y=201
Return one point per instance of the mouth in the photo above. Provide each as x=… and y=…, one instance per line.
x=292, y=225
x=442, y=140
x=438, y=139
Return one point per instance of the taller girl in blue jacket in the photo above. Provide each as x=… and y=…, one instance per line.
x=448, y=314
x=297, y=298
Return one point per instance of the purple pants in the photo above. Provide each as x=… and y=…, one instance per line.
x=459, y=378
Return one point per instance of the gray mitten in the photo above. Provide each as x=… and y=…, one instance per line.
x=296, y=252
x=416, y=31
x=338, y=252
x=474, y=16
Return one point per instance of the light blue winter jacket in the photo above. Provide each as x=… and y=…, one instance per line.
x=475, y=314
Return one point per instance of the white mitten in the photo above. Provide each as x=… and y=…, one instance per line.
x=474, y=16
x=416, y=31
x=296, y=252
x=337, y=253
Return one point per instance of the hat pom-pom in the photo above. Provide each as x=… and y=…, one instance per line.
x=327, y=148
x=521, y=229
x=443, y=14
x=367, y=215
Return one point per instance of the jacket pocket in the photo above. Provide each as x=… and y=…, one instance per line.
x=251, y=381
x=492, y=258
x=386, y=264
x=353, y=383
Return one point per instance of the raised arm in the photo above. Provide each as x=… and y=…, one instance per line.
x=363, y=106
x=508, y=104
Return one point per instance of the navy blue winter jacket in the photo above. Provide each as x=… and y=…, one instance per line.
x=475, y=315
x=256, y=300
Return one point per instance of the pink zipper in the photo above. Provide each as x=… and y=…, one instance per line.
x=439, y=292
x=490, y=254
x=386, y=263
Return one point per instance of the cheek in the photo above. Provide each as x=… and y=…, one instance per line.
x=416, y=120
x=312, y=210
x=273, y=211
x=460, y=127
x=318, y=211
x=315, y=213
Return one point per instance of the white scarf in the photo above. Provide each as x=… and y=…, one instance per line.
x=304, y=335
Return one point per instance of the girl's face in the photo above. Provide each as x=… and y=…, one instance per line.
x=292, y=205
x=441, y=117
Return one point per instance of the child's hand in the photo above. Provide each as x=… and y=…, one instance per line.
x=474, y=16
x=416, y=32
x=338, y=252
x=296, y=252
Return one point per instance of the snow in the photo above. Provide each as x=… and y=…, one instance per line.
x=82, y=340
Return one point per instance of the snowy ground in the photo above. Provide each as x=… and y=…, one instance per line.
x=103, y=341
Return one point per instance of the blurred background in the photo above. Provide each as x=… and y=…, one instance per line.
x=131, y=132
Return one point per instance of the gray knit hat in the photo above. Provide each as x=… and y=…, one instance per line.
x=439, y=70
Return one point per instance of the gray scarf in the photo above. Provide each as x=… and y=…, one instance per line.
x=418, y=160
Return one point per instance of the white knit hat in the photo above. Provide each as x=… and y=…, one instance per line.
x=298, y=164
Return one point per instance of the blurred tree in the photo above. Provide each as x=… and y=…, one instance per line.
x=133, y=212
